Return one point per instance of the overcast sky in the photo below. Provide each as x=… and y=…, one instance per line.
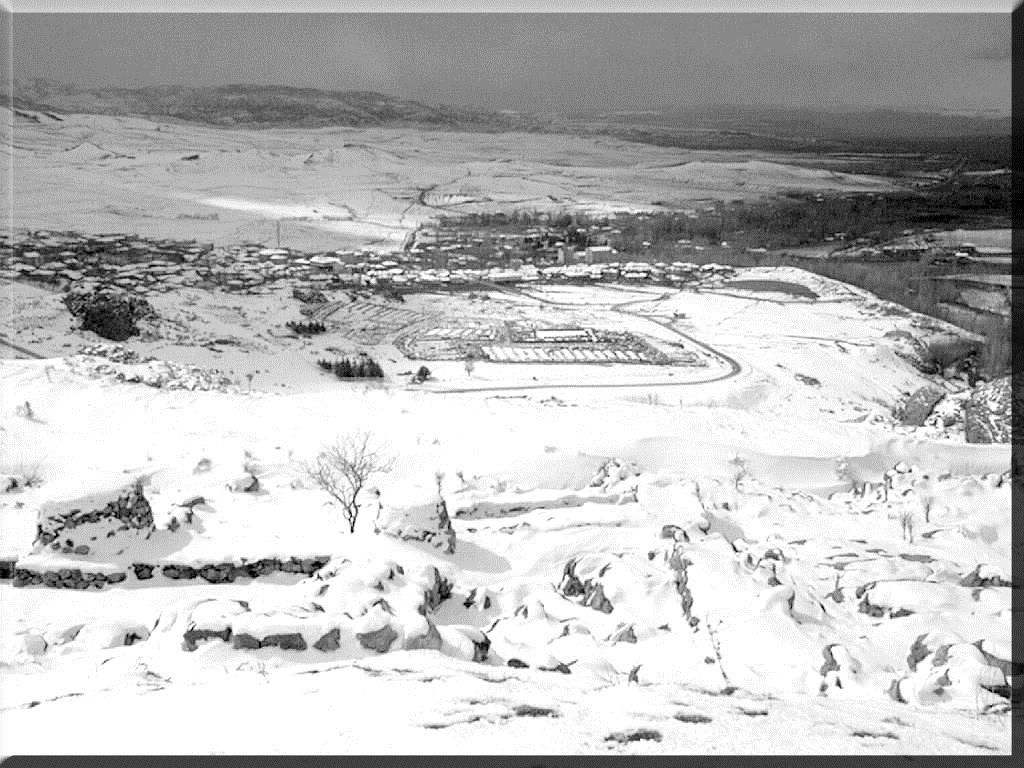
x=544, y=62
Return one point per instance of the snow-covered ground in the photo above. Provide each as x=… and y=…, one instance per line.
x=345, y=187
x=738, y=552
x=675, y=564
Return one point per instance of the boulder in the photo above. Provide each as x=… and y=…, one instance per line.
x=331, y=641
x=289, y=641
x=33, y=644
x=919, y=406
x=379, y=640
x=428, y=522
x=246, y=484
x=987, y=413
x=430, y=640
x=623, y=635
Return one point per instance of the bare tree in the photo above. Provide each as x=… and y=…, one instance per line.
x=739, y=470
x=342, y=469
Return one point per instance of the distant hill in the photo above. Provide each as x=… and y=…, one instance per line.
x=818, y=123
x=983, y=139
x=258, y=106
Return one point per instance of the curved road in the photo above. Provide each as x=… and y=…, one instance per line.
x=734, y=366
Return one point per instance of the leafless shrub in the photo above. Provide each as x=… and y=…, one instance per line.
x=342, y=469
x=739, y=470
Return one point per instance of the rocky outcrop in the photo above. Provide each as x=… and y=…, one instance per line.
x=988, y=411
x=428, y=522
x=590, y=592
x=116, y=363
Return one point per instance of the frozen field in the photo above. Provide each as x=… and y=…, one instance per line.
x=354, y=188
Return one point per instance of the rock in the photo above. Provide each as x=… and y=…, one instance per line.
x=178, y=571
x=428, y=522
x=192, y=636
x=591, y=591
x=33, y=644
x=913, y=350
x=142, y=571
x=203, y=465
x=987, y=412
x=439, y=591
x=331, y=641
x=990, y=578
x=218, y=574
x=623, y=635
x=919, y=406
x=595, y=599
x=517, y=663
x=291, y=641
x=244, y=641
x=673, y=532
x=379, y=640
x=431, y=640
x=246, y=484
x=82, y=549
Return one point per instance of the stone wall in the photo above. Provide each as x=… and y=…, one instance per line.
x=65, y=527
x=213, y=573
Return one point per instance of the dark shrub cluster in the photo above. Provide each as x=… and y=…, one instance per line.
x=109, y=313
x=306, y=329
x=362, y=367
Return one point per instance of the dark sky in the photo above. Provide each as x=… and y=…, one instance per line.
x=545, y=62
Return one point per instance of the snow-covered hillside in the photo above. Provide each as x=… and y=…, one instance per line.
x=756, y=562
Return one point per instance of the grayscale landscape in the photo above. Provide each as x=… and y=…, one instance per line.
x=390, y=423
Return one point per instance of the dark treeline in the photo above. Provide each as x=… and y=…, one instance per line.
x=792, y=221
x=306, y=329
x=362, y=367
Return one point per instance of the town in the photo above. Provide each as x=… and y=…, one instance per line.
x=447, y=257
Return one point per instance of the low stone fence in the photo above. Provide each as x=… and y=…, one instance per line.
x=213, y=573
